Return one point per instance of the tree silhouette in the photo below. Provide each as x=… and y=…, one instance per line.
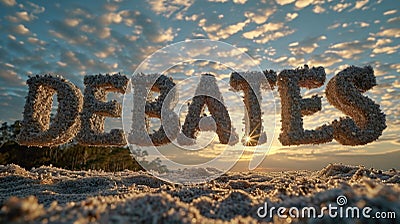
x=69, y=156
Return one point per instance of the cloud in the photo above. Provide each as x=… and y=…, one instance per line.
x=270, y=51
x=193, y=17
x=260, y=16
x=362, y=24
x=231, y=29
x=107, y=52
x=21, y=16
x=168, y=8
x=394, y=20
x=36, y=41
x=108, y=18
x=239, y=1
x=308, y=49
x=274, y=36
x=94, y=27
x=104, y=32
x=70, y=34
x=24, y=16
x=360, y=4
x=262, y=29
x=334, y=26
x=386, y=50
x=397, y=68
x=220, y=1
x=350, y=50
x=71, y=64
x=340, y=7
x=70, y=58
x=318, y=9
x=209, y=28
x=284, y=2
x=384, y=41
x=12, y=37
x=11, y=102
x=268, y=32
x=98, y=27
x=165, y=36
x=80, y=12
x=384, y=70
x=295, y=61
x=231, y=53
x=303, y=3
x=87, y=29
x=8, y=77
x=32, y=7
x=84, y=41
x=306, y=46
x=144, y=26
x=9, y=2
x=280, y=59
x=111, y=7
x=71, y=22
x=390, y=12
x=291, y=16
x=217, y=31
x=392, y=32
x=325, y=60
x=21, y=29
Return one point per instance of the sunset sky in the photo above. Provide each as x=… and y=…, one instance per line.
x=78, y=38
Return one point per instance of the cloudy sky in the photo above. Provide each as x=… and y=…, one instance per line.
x=77, y=38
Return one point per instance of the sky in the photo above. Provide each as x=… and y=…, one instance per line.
x=78, y=38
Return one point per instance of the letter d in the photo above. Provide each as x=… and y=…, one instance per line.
x=36, y=127
x=265, y=208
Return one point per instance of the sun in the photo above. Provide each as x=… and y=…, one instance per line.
x=248, y=139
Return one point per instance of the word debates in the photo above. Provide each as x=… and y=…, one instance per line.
x=83, y=117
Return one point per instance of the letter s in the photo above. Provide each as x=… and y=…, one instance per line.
x=344, y=91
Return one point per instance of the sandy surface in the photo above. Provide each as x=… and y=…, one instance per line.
x=53, y=195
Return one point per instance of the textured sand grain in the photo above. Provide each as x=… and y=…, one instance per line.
x=53, y=195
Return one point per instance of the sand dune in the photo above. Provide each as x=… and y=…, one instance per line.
x=54, y=195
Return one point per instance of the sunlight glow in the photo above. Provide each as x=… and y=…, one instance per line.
x=248, y=139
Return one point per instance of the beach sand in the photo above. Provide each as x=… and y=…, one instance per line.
x=53, y=195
